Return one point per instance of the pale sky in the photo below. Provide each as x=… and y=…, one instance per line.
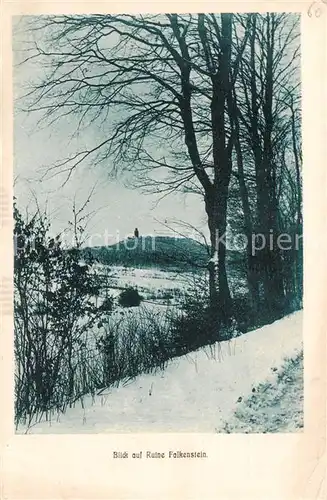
x=120, y=209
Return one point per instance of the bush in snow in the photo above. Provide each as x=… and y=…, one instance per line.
x=196, y=326
x=130, y=297
x=138, y=342
x=54, y=310
x=107, y=305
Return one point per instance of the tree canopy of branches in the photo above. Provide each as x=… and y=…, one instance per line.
x=186, y=102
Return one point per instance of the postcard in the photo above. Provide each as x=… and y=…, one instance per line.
x=162, y=250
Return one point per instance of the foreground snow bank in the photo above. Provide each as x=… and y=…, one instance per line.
x=198, y=392
x=273, y=407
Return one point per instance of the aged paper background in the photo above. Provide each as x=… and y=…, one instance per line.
x=275, y=466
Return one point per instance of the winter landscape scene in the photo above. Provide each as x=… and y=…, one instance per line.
x=158, y=268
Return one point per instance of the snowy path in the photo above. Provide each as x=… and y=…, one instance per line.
x=196, y=393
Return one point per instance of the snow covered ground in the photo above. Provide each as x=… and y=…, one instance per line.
x=147, y=278
x=198, y=392
x=274, y=406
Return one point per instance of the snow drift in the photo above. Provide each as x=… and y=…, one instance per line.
x=197, y=392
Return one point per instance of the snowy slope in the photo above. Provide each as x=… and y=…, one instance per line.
x=196, y=393
x=273, y=407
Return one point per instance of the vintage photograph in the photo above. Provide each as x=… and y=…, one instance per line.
x=158, y=250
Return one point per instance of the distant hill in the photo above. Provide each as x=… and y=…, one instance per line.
x=148, y=251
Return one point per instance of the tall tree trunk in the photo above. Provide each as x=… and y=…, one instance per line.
x=222, y=149
x=298, y=249
x=220, y=297
x=272, y=268
x=268, y=258
x=216, y=195
x=252, y=275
